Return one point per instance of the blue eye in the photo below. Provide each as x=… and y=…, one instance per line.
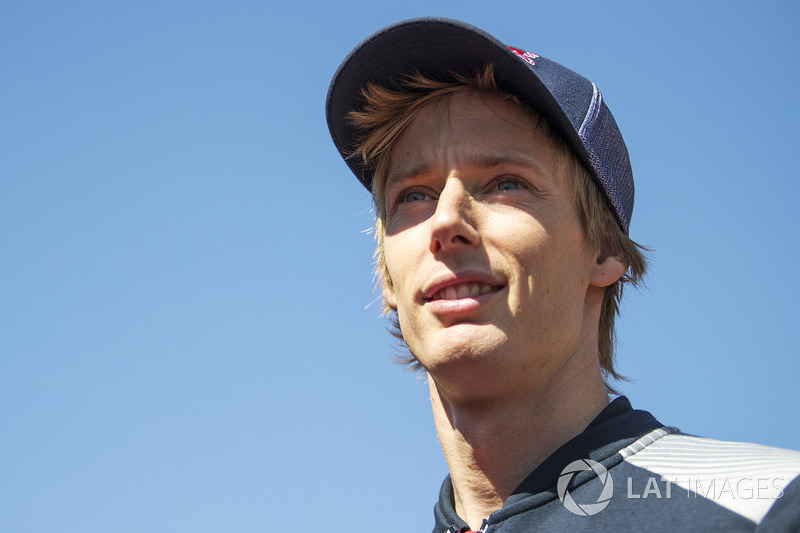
x=413, y=196
x=508, y=185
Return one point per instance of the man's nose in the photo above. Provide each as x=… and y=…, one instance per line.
x=452, y=224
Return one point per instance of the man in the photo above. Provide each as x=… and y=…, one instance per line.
x=503, y=194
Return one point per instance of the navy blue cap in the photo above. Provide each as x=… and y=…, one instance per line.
x=434, y=47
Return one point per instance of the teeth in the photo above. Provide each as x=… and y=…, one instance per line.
x=462, y=290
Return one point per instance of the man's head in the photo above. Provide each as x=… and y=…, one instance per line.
x=401, y=112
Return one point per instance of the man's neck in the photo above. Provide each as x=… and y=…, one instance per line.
x=491, y=447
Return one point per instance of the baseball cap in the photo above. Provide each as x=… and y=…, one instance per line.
x=436, y=46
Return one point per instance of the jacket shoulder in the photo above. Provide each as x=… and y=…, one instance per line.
x=745, y=478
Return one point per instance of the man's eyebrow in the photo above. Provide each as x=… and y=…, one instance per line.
x=408, y=172
x=482, y=162
x=521, y=159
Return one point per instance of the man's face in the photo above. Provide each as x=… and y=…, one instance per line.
x=490, y=272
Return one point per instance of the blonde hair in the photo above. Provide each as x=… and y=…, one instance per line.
x=389, y=109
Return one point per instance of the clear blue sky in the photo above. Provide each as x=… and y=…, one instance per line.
x=185, y=337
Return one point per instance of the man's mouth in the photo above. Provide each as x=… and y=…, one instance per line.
x=463, y=290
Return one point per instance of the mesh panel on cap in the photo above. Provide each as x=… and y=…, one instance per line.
x=609, y=159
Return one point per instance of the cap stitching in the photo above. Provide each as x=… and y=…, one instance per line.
x=592, y=112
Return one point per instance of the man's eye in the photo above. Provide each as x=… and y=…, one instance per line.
x=508, y=185
x=413, y=196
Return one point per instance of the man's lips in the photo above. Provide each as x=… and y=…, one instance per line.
x=462, y=290
x=459, y=287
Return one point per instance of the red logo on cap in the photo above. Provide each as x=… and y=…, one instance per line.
x=527, y=56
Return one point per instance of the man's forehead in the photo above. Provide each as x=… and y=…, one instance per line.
x=469, y=130
x=465, y=102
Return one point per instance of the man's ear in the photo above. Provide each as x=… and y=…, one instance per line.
x=606, y=270
x=389, y=296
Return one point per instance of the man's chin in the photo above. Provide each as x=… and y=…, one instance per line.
x=472, y=346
